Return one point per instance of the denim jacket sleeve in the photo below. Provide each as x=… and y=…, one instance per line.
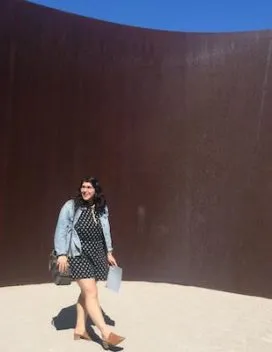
x=63, y=223
x=106, y=229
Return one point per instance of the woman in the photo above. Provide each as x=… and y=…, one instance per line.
x=83, y=230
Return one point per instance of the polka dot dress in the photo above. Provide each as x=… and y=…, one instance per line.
x=92, y=263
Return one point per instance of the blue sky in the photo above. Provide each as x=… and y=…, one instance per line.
x=182, y=15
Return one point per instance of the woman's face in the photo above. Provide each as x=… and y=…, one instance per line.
x=87, y=190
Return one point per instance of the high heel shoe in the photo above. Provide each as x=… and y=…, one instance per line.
x=84, y=336
x=112, y=340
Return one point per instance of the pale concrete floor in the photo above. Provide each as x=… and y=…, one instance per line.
x=153, y=317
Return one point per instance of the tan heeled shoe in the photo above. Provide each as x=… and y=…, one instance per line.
x=112, y=340
x=84, y=336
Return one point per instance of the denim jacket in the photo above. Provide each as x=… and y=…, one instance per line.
x=65, y=229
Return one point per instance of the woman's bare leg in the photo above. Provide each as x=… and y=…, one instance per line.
x=91, y=304
x=80, y=327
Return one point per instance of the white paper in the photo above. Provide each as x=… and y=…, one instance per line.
x=114, y=278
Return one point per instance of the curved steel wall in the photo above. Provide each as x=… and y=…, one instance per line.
x=177, y=126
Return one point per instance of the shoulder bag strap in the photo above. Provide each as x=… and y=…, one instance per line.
x=72, y=230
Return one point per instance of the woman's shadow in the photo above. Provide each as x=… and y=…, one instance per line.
x=66, y=319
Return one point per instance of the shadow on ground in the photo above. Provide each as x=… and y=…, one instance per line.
x=66, y=319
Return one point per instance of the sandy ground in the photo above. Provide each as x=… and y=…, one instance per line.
x=153, y=317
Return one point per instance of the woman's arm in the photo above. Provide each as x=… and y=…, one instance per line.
x=106, y=229
x=60, y=238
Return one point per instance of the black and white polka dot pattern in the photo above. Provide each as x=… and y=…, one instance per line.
x=92, y=263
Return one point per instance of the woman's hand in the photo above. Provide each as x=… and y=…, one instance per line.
x=111, y=259
x=62, y=263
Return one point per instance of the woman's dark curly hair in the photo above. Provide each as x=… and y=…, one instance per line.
x=98, y=200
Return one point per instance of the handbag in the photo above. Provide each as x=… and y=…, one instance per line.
x=61, y=278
